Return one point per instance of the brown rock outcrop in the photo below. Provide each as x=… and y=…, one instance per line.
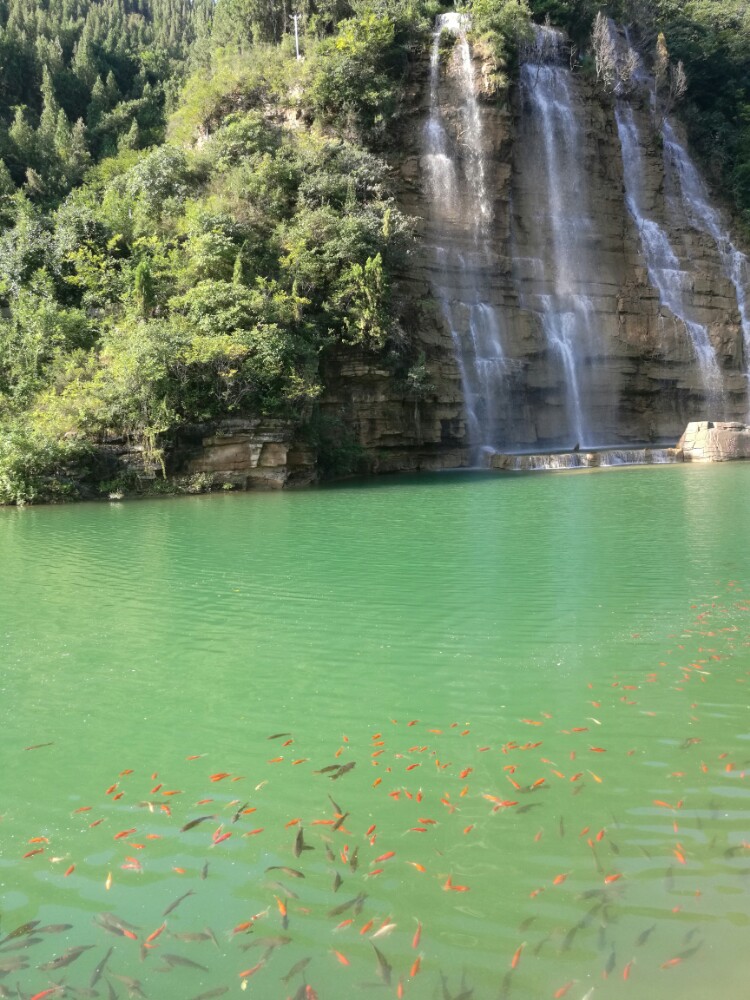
x=709, y=441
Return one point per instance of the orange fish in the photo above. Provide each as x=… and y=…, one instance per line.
x=417, y=936
x=246, y=973
x=70, y=871
x=342, y=958
x=670, y=962
x=517, y=956
x=563, y=990
x=385, y=857
x=124, y=833
x=611, y=878
x=155, y=934
x=415, y=966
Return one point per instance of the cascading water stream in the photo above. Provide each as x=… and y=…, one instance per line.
x=566, y=313
x=707, y=219
x=461, y=212
x=664, y=271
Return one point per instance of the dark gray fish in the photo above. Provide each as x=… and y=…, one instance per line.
x=181, y=960
x=195, y=822
x=38, y=746
x=690, y=935
x=354, y=859
x=53, y=929
x=336, y=807
x=505, y=986
x=270, y=941
x=594, y=894
x=20, y=931
x=212, y=937
x=609, y=968
x=67, y=958
x=240, y=811
x=569, y=938
x=602, y=938
x=204, y=871
x=337, y=882
x=13, y=964
x=339, y=821
x=669, y=879
x=613, y=847
x=297, y=967
x=343, y=907
x=384, y=969
x=211, y=994
x=644, y=936
x=176, y=903
x=561, y=826
x=110, y=990
x=689, y=952
x=526, y=808
x=325, y=770
x=96, y=975
x=113, y=918
x=133, y=986
x=277, y=736
x=538, y=949
x=299, y=842
x=292, y=872
x=344, y=769
x=191, y=936
x=283, y=889
x=28, y=942
x=329, y=853
x=301, y=992
x=525, y=924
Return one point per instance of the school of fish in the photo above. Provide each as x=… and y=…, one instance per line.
x=382, y=900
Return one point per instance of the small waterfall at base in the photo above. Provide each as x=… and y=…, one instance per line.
x=605, y=459
x=461, y=213
x=663, y=266
x=566, y=313
x=707, y=219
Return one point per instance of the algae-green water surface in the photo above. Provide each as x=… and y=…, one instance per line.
x=513, y=755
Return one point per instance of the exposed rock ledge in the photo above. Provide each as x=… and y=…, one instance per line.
x=709, y=441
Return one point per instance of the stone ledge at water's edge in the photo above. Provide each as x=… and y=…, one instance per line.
x=712, y=441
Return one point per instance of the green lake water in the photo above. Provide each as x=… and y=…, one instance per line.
x=542, y=684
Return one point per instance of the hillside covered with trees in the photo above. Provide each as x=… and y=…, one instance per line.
x=190, y=217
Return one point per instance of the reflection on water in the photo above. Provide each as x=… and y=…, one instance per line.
x=540, y=682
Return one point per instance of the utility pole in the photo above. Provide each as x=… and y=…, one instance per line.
x=295, y=18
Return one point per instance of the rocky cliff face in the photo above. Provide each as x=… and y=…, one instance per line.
x=638, y=376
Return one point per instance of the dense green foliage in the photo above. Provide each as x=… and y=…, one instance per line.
x=204, y=275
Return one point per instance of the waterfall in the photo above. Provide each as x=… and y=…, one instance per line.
x=664, y=271
x=707, y=219
x=460, y=217
x=565, y=230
